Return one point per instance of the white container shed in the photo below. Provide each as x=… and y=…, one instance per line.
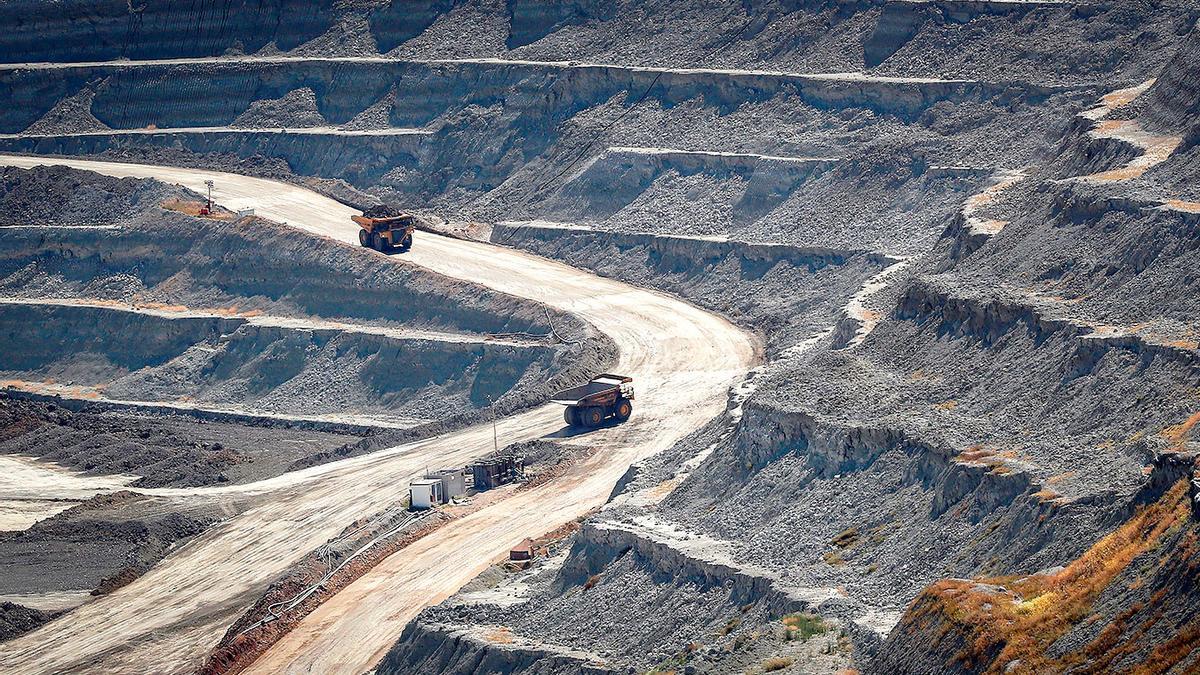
x=425, y=493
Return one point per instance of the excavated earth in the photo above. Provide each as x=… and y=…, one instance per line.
x=148, y=348
x=965, y=232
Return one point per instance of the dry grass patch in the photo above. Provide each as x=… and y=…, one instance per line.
x=1020, y=626
x=193, y=208
x=776, y=663
x=1177, y=435
x=803, y=625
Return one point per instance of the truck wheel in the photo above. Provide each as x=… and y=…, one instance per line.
x=592, y=417
x=570, y=416
x=624, y=409
x=377, y=242
x=364, y=238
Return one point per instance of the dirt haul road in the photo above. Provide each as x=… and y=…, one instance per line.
x=684, y=359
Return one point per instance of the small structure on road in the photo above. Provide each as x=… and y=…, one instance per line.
x=523, y=551
x=497, y=471
x=454, y=482
x=425, y=493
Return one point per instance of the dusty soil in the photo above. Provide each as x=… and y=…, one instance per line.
x=282, y=606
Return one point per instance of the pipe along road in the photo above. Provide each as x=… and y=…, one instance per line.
x=683, y=359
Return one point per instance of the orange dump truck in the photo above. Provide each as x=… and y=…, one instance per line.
x=386, y=234
x=606, y=396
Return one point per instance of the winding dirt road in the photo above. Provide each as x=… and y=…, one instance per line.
x=684, y=360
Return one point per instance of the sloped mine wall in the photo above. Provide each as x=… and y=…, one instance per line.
x=133, y=96
x=786, y=292
x=134, y=356
x=360, y=159
x=424, y=647
x=111, y=29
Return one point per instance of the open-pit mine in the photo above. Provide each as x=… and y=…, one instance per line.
x=600, y=337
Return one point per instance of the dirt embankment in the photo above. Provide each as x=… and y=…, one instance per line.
x=99, y=546
x=164, y=450
x=61, y=196
x=17, y=619
x=364, y=544
x=1127, y=604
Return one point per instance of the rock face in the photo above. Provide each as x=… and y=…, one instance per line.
x=455, y=651
x=71, y=115
x=1171, y=102
x=297, y=108
x=235, y=362
x=111, y=29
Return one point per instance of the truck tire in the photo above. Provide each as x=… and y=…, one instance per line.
x=593, y=416
x=570, y=416
x=377, y=243
x=623, y=409
x=364, y=238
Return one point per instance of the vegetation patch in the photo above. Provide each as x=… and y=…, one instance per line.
x=803, y=625
x=1016, y=619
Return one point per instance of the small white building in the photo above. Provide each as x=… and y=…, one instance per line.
x=425, y=493
x=454, y=482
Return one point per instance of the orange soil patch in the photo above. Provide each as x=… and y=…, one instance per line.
x=192, y=208
x=1179, y=433
x=1120, y=97
x=1155, y=149
x=53, y=388
x=1060, y=478
x=1180, y=205
x=159, y=306
x=1110, y=126
x=1020, y=624
x=499, y=636
x=1046, y=495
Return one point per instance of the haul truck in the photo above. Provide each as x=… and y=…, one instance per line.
x=606, y=396
x=385, y=234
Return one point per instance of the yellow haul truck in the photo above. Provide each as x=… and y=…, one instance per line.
x=386, y=234
x=606, y=396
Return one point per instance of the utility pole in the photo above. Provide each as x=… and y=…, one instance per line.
x=495, y=435
x=209, y=183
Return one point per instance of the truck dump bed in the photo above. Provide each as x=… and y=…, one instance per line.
x=389, y=222
x=602, y=386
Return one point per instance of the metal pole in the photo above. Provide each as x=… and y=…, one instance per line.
x=495, y=435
